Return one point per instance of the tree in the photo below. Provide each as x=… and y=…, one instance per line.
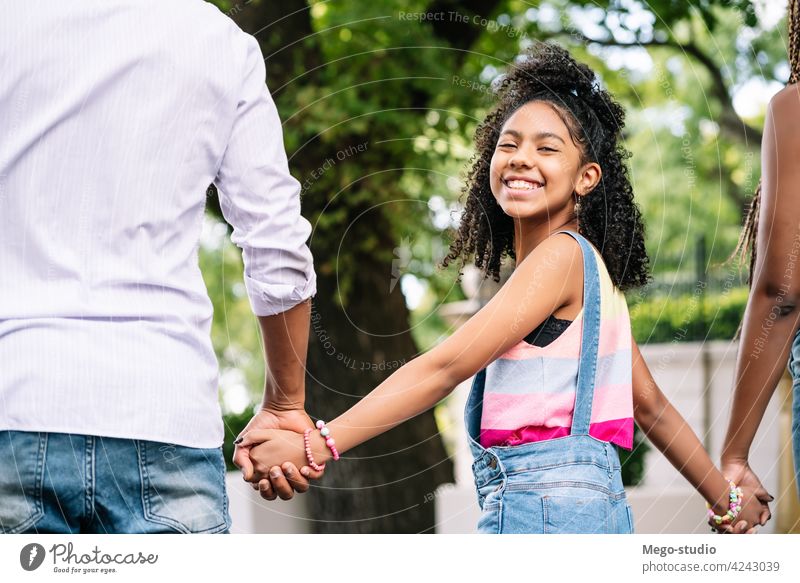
x=676, y=66
x=351, y=114
x=379, y=102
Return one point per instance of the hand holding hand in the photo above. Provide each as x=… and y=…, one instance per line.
x=749, y=517
x=270, y=447
x=273, y=447
x=287, y=479
x=754, y=503
x=742, y=475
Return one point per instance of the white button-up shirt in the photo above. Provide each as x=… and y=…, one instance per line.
x=115, y=115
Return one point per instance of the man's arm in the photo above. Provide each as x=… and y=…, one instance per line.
x=285, y=347
x=261, y=201
x=283, y=407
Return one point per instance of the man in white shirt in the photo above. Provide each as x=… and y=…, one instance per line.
x=115, y=115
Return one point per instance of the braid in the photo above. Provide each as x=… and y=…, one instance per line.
x=747, y=240
x=794, y=41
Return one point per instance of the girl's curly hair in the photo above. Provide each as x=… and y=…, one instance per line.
x=607, y=216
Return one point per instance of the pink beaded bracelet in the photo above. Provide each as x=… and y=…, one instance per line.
x=329, y=441
x=309, y=455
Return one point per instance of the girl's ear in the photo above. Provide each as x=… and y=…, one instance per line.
x=589, y=178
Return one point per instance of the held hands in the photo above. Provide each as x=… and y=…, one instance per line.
x=754, y=502
x=270, y=447
x=282, y=478
x=747, y=521
x=273, y=447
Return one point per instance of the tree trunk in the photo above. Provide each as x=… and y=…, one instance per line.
x=387, y=484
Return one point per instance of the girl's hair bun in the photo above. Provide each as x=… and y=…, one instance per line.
x=548, y=70
x=546, y=66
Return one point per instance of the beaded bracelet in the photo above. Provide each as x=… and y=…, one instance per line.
x=309, y=455
x=735, y=506
x=329, y=441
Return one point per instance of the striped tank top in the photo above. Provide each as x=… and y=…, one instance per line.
x=529, y=392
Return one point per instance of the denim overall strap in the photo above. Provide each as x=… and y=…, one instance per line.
x=590, y=339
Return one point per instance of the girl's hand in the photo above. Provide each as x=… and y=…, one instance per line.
x=268, y=418
x=271, y=449
x=286, y=480
x=748, y=519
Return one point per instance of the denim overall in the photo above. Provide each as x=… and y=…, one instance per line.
x=569, y=484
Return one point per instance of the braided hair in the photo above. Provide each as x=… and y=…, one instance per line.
x=747, y=239
x=607, y=216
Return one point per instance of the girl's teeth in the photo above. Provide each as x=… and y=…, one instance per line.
x=522, y=184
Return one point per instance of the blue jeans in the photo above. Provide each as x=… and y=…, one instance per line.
x=794, y=369
x=537, y=488
x=60, y=483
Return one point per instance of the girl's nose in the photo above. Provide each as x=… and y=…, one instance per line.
x=520, y=160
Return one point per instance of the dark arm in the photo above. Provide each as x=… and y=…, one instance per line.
x=772, y=316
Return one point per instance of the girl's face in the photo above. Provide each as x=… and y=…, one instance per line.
x=536, y=170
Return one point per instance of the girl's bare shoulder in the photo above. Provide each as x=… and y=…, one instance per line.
x=556, y=260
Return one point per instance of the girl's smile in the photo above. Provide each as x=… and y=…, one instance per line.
x=537, y=173
x=517, y=185
x=534, y=149
x=536, y=168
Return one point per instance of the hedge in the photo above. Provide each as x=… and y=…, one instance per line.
x=685, y=318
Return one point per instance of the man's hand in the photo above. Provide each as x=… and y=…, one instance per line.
x=278, y=485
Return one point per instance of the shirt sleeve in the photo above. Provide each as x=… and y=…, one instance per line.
x=261, y=199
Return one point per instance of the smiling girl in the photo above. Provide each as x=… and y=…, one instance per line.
x=558, y=378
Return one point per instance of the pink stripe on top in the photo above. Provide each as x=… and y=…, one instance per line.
x=513, y=415
x=615, y=431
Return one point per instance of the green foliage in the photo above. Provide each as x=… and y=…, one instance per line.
x=633, y=461
x=688, y=317
x=419, y=100
x=234, y=328
x=380, y=88
x=414, y=101
x=234, y=424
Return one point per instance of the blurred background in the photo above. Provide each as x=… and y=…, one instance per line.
x=379, y=101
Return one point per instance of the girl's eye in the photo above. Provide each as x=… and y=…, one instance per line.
x=548, y=149
x=506, y=145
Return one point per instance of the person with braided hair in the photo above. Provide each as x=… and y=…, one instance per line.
x=769, y=335
x=558, y=378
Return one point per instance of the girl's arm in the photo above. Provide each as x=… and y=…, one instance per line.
x=670, y=433
x=550, y=277
x=772, y=316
